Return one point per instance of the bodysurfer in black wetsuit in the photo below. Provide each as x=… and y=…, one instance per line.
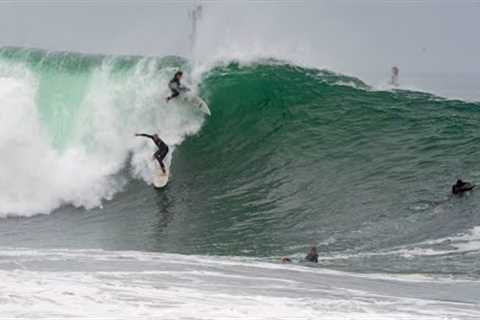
x=312, y=255
x=176, y=87
x=460, y=187
x=162, y=151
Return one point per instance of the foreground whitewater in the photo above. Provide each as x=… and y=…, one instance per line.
x=121, y=285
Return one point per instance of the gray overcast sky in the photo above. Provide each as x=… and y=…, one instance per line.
x=346, y=36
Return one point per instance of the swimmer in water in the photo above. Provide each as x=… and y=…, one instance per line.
x=460, y=187
x=286, y=260
x=312, y=255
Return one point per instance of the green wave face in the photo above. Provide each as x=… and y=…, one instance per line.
x=294, y=156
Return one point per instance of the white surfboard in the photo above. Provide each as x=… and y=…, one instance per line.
x=160, y=179
x=197, y=102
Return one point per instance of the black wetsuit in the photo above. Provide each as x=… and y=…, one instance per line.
x=461, y=187
x=312, y=257
x=162, y=151
x=176, y=88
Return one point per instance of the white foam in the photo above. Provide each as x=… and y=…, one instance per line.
x=119, y=285
x=37, y=177
x=462, y=243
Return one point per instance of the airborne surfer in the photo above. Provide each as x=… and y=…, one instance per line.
x=175, y=86
x=162, y=151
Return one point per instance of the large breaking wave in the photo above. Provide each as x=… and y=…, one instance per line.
x=68, y=122
x=291, y=156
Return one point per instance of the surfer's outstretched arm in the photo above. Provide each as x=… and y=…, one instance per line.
x=144, y=135
x=158, y=142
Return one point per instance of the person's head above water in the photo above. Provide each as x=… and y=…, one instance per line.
x=312, y=255
x=459, y=182
x=178, y=75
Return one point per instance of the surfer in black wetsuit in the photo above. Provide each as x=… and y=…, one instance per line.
x=460, y=187
x=176, y=87
x=312, y=255
x=162, y=151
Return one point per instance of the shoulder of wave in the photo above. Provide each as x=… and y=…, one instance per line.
x=417, y=92
x=322, y=74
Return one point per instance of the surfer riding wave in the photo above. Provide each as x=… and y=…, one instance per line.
x=176, y=87
x=162, y=151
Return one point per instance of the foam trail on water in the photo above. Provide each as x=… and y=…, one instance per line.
x=66, y=137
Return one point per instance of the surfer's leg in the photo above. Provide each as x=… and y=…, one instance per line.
x=160, y=155
x=157, y=155
x=163, y=152
x=175, y=94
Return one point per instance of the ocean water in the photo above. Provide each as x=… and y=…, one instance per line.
x=291, y=157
